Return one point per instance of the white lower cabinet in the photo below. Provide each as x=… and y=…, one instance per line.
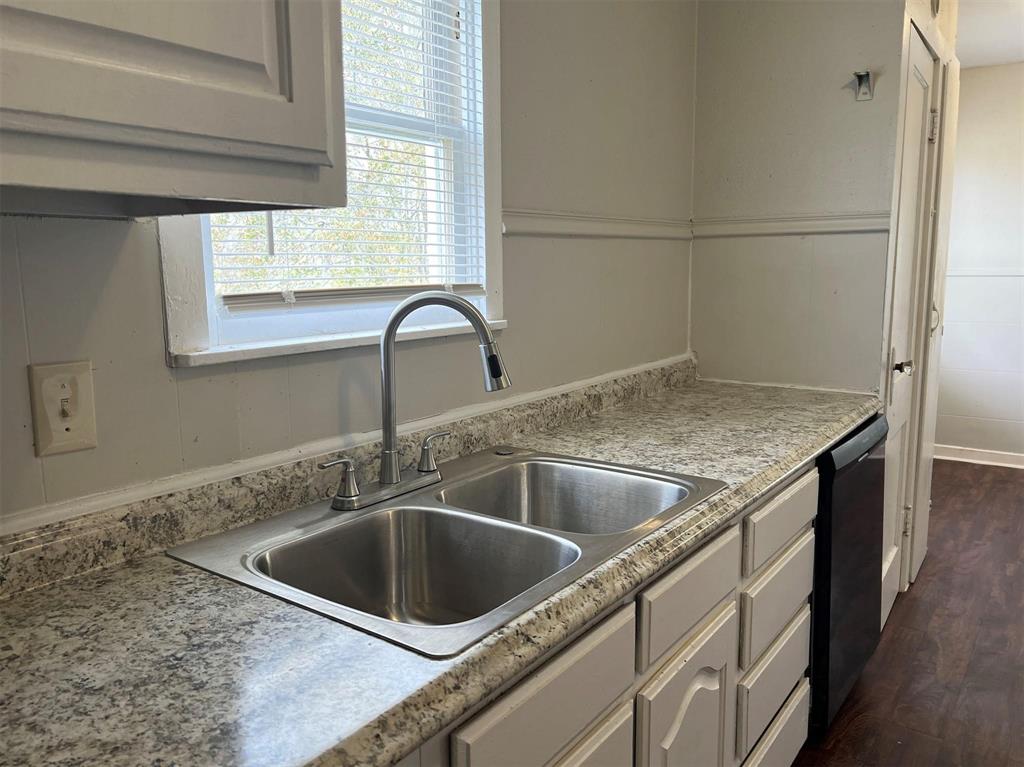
x=771, y=600
x=783, y=740
x=686, y=714
x=610, y=744
x=537, y=719
x=764, y=689
x=706, y=669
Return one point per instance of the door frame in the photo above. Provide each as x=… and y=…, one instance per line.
x=915, y=542
x=923, y=269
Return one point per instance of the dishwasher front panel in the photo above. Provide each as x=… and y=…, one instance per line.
x=848, y=568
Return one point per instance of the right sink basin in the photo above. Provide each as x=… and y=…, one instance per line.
x=568, y=496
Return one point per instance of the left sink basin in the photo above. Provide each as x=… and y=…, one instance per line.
x=430, y=578
x=417, y=566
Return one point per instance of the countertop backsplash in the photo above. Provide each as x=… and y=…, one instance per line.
x=50, y=553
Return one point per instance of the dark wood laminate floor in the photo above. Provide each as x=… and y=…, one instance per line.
x=946, y=685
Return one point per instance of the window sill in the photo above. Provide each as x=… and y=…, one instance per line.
x=218, y=355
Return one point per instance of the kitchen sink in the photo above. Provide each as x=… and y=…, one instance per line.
x=438, y=568
x=568, y=496
x=418, y=566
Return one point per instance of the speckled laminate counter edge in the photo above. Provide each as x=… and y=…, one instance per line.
x=51, y=553
x=506, y=654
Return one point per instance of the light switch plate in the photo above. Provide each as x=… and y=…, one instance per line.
x=63, y=410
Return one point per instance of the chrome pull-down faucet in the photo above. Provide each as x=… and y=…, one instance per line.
x=495, y=377
x=391, y=481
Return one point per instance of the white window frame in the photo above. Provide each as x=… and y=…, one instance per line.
x=196, y=319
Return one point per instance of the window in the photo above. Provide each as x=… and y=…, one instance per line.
x=418, y=217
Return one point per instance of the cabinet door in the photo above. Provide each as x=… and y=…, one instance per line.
x=236, y=101
x=686, y=715
x=244, y=77
x=609, y=744
x=542, y=715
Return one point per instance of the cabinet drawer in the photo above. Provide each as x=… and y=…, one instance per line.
x=609, y=745
x=787, y=734
x=540, y=716
x=769, y=528
x=762, y=692
x=771, y=601
x=677, y=602
x=686, y=714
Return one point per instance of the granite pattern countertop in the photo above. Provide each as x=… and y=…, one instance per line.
x=156, y=662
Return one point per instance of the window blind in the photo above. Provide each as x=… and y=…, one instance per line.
x=414, y=130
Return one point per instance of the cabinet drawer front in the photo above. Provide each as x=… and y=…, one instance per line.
x=770, y=602
x=610, y=744
x=762, y=692
x=677, y=602
x=540, y=716
x=686, y=714
x=785, y=737
x=769, y=528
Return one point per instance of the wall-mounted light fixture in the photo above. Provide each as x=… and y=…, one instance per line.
x=865, y=86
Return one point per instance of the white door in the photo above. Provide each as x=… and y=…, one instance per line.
x=686, y=715
x=911, y=241
x=935, y=300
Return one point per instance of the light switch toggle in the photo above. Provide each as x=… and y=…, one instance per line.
x=63, y=411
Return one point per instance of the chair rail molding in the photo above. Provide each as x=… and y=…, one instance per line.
x=542, y=223
x=775, y=226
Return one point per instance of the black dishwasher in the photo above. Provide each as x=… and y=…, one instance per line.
x=847, y=599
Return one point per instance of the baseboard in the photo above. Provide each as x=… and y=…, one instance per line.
x=974, y=455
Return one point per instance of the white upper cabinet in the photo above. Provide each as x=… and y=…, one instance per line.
x=127, y=108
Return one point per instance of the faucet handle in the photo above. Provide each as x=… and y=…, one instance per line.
x=348, y=488
x=427, y=463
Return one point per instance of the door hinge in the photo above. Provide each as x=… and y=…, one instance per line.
x=933, y=126
x=907, y=519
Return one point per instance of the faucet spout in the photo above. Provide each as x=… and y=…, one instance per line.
x=495, y=376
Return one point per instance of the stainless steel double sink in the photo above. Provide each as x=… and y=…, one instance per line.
x=439, y=568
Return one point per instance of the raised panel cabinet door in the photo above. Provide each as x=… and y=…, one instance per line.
x=609, y=744
x=542, y=715
x=238, y=78
x=686, y=714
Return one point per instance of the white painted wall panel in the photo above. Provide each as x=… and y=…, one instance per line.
x=778, y=129
x=799, y=310
x=576, y=308
x=780, y=137
x=997, y=346
x=990, y=434
x=91, y=291
x=598, y=117
x=995, y=298
x=21, y=475
x=981, y=395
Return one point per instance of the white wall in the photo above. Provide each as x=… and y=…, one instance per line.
x=782, y=144
x=578, y=135
x=981, y=383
